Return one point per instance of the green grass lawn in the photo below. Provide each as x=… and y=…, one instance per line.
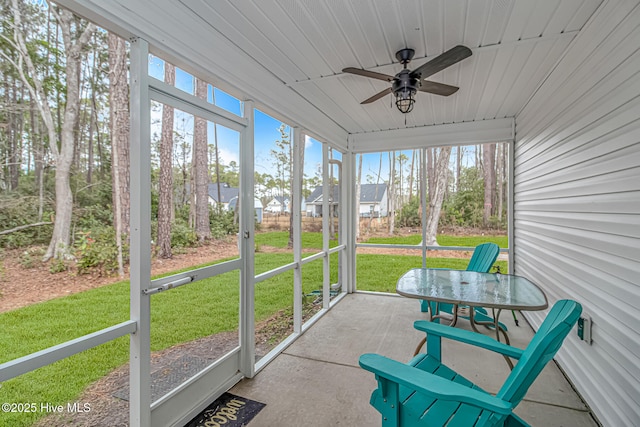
x=180, y=315
x=369, y=268
x=280, y=239
x=443, y=240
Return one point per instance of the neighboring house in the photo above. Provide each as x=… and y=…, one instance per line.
x=314, y=201
x=229, y=198
x=226, y=194
x=279, y=204
x=373, y=200
x=256, y=203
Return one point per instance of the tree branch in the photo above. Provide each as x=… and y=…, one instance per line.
x=22, y=227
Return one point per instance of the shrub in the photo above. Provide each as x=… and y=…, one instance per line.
x=97, y=249
x=222, y=224
x=58, y=266
x=182, y=236
x=410, y=214
x=17, y=210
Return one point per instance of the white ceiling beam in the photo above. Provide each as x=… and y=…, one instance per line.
x=469, y=133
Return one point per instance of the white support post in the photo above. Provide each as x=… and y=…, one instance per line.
x=423, y=204
x=510, y=206
x=348, y=221
x=296, y=202
x=247, y=246
x=140, y=252
x=326, y=268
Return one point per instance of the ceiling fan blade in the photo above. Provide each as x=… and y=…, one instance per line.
x=438, y=88
x=377, y=96
x=366, y=73
x=442, y=61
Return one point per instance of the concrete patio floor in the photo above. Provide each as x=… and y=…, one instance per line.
x=317, y=381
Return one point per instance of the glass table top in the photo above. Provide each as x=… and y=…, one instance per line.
x=495, y=290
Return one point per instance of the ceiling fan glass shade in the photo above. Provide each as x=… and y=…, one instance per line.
x=405, y=99
x=405, y=87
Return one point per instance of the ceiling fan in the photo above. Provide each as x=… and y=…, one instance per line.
x=406, y=83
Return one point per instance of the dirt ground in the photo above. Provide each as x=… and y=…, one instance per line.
x=24, y=280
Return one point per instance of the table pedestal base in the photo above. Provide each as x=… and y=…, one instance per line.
x=473, y=322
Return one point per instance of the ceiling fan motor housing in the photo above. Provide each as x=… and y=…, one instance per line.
x=405, y=83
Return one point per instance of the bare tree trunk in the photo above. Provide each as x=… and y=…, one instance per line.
x=489, y=156
x=93, y=122
x=459, y=155
x=165, y=196
x=501, y=178
x=62, y=155
x=413, y=160
x=218, y=201
x=437, y=194
x=16, y=125
x=376, y=194
x=431, y=172
x=392, y=192
x=200, y=154
x=38, y=157
x=119, y=123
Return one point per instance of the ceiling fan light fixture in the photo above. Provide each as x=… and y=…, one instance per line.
x=406, y=83
x=405, y=99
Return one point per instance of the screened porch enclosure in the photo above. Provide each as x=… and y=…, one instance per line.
x=558, y=84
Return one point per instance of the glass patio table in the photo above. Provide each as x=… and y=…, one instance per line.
x=472, y=289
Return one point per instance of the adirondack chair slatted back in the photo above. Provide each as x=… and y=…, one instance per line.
x=483, y=257
x=542, y=348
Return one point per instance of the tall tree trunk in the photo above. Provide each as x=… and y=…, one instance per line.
x=489, y=156
x=437, y=193
x=119, y=123
x=200, y=155
x=392, y=192
x=459, y=155
x=16, y=125
x=62, y=155
x=38, y=157
x=93, y=120
x=376, y=194
x=218, y=201
x=502, y=152
x=165, y=196
x=431, y=172
x=411, y=180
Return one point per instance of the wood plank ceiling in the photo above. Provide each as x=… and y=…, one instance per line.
x=306, y=44
x=302, y=45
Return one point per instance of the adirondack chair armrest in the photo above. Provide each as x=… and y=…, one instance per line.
x=429, y=384
x=467, y=337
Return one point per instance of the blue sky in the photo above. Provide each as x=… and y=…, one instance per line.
x=266, y=127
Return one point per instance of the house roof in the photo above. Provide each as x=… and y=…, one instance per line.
x=372, y=192
x=226, y=193
x=316, y=195
x=280, y=199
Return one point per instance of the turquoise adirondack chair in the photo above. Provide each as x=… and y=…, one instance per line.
x=484, y=255
x=425, y=392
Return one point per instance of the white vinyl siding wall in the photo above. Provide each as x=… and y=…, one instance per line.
x=577, y=205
